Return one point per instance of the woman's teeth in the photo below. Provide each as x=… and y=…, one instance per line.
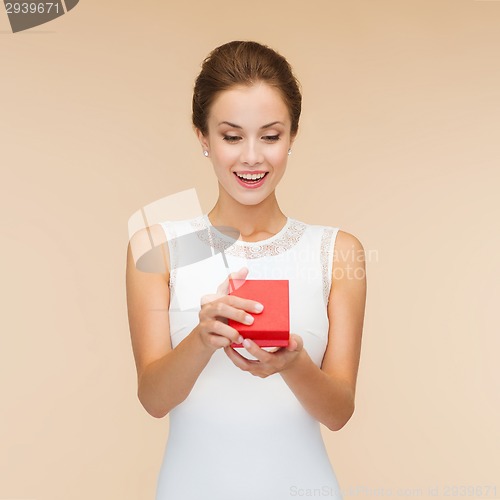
x=251, y=177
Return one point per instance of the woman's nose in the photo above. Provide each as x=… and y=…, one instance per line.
x=251, y=153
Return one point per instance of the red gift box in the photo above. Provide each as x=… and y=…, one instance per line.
x=271, y=327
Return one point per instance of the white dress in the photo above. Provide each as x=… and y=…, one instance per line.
x=238, y=436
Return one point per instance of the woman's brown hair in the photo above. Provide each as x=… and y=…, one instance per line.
x=244, y=63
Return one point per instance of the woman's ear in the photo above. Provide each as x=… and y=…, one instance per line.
x=203, y=140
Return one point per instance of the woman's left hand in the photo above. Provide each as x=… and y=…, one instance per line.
x=267, y=362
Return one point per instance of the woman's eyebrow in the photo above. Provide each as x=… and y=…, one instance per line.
x=237, y=126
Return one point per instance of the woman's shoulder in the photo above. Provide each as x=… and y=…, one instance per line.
x=348, y=252
x=345, y=243
x=148, y=250
x=348, y=241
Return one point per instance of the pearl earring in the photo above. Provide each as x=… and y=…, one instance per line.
x=289, y=151
x=205, y=152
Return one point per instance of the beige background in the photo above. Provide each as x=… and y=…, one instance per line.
x=398, y=145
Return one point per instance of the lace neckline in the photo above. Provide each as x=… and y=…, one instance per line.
x=214, y=230
x=280, y=242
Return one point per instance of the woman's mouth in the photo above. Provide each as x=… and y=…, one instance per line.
x=251, y=180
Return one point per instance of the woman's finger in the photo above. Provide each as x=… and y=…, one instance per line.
x=221, y=309
x=296, y=343
x=205, y=299
x=234, y=280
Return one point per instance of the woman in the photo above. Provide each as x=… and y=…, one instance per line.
x=244, y=423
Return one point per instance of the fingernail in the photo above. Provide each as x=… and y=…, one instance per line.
x=259, y=307
x=248, y=319
x=246, y=343
x=240, y=340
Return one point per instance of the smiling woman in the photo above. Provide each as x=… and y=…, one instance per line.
x=246, y=425
x=253, y=153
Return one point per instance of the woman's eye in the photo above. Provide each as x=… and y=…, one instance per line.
x=272, y=138
x=231, y=138
x=235, y=138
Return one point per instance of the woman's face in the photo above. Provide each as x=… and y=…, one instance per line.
x=248, y=136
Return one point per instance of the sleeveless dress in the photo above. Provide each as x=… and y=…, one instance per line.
x=238, y=436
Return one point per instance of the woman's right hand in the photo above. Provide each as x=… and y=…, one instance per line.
x=213, y=329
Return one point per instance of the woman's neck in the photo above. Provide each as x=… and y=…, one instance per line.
x=254, y=222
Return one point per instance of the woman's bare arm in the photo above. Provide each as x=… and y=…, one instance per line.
x=166, y=376
x=329, y=393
